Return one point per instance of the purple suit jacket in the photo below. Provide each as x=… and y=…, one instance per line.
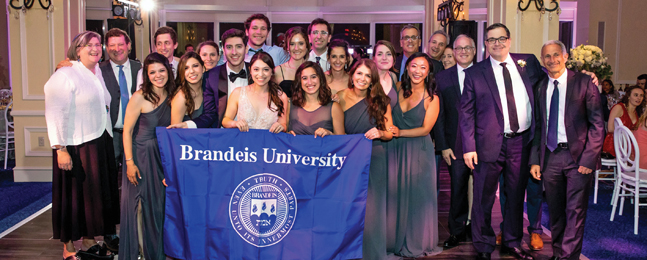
x=215, y=97
x=582, y=117
x=449, y=92
x=481, y=116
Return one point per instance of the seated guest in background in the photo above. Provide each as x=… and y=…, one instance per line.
x=629, y=109
x=641, y=138
x=383, y=56
x=416, y=231
x=437, y=44
x=188, y=47
x=608, y=98
x=209, y=51
x=186, y=102
x=565, y=155
x=448, y=58
x=298, y=47
x=367, y=111
x=320, y=32
x=313, y=112
x=338, y=57
x=221, y=81
x=642, y=79
x=143, y=192
x=85, y=198
x=257, y=28
x=263, y=91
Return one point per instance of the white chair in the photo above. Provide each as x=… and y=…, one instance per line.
x=8, y=135
x=611, y=163
x=632, y=181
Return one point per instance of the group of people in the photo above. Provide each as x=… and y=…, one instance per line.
x=491, y=118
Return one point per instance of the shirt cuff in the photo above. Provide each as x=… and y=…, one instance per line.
x=191, y=124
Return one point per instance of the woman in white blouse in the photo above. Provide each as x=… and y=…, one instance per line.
x=85, y=201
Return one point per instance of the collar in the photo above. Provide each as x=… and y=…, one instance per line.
x=508, y=60
x=230, y=70
x=561, y=79
x=261, y=48
x=323, y=56
x=126, y=64
x=460, y=68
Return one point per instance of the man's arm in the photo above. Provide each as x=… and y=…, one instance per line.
x=595, y=133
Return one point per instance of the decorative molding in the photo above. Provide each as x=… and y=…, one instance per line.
x=300, y=9
x=32, y=174
x=28, y=113
x=28, y=152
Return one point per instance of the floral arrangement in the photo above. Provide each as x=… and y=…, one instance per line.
x=589, y=58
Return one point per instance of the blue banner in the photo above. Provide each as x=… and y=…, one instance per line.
x=258, y=195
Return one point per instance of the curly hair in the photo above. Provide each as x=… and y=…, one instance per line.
x=147, y=85
x=625, y=99
x=376, y=99
x=183, y=84
x=298, y=95
x=430, y=83
x=274, y=89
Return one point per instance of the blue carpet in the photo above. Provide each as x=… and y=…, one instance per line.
x=19, y=200
x=604, y=239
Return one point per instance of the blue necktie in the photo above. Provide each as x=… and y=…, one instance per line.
x=123, y=87
x=551, y=139
x=318, y=59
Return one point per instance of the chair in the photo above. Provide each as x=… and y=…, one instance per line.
x=8, y=135
x=611, y=163
x=632, y=181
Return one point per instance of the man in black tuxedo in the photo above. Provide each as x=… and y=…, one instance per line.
x=410, y=42
x=221, y=81
x=566, y=148
x=450, y=87
x=497, y=128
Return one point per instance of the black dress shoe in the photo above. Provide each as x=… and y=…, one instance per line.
x=517, y=252
x=96, y=252
x=111, y=242
x=453, y=241
x=483, y=256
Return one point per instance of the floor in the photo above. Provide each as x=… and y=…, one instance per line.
x=34, y=239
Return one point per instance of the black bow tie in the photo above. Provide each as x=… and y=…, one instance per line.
x=242, y=74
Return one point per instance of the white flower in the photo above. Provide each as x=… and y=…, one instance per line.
x=522, y=63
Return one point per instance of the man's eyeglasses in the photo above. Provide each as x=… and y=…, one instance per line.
x=501, y=39
x=464, y=49
x=410, y=38
x=322, y=33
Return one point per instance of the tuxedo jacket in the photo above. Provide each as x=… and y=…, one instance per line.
x=437, y=66
x=215, y=97
x=449, y=92
x=112, y=83
x=583, y=120
x=481, y=115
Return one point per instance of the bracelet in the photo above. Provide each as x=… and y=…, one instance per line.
x=62, y=148
x=129, y=159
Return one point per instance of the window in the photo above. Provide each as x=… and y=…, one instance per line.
x=191, y=33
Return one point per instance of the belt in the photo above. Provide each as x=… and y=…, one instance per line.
x=562, y=145
x=510, y=135
x=118, y=130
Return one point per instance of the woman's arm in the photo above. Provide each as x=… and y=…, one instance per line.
x=431, y=114
x=133, y=110
x=616, y=111
x=232, y=110
x=178, y=107
x=59, y=94
x=281, y=123
x=338, y=119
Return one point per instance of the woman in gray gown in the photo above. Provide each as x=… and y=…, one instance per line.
x=313, y=112
x=186, y=103
x=142, y=193
x=416, y=233
x=367, y=111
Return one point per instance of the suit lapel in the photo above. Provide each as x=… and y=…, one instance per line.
x=488, y=72
x=454, y=75
x=134, y=69
x=109, y=75
x=543, y=88
x=524, y=76
x=223, y=85
x=570, y=84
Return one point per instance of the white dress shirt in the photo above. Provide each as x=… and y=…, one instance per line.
x=140, y=79
x=561, y=128
x=522, y=101
x=323, y=62
x=76, y=105
x=461, y=74
x=129, y=81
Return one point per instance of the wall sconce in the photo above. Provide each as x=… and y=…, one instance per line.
x=448, y=11
x=539, y=5
x=29, y=3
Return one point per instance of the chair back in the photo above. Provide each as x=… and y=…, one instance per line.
x=8, y=123
x=627, y=154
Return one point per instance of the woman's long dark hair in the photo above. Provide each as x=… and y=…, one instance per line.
x=613, y=88
x=274, y=88
x=625, y=99
x=430, y=83
x=376, y=99
x=298, y=95
x=147, y=85
x=183, y=85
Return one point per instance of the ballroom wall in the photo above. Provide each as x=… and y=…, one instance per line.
x=4, y=49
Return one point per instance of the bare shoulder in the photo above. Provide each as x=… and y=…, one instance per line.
x=179, y=97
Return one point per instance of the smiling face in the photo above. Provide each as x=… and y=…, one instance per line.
x=209, y=56
x=165, y=46
x=234, y=51
x=383, y=58
x=437, y=45
x=257, y=33
x=463, y=56
x=448, y=58
x=554, y=60
x=90, y=54
x=319, y=37
x=193, y=71
x=498, y=50
x=362, y=78
x=338, y=58
x=310, y=81
x=118, y=49
x=157, y=74
x=298, y=47
x=261, y=72
x=410, y=46
x=418, y=70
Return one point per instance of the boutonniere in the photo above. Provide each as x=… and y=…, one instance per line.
x=521, y=63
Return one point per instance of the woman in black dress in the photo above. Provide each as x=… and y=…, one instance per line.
x=298, y=47
x=186, y=103
x=313, y=112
